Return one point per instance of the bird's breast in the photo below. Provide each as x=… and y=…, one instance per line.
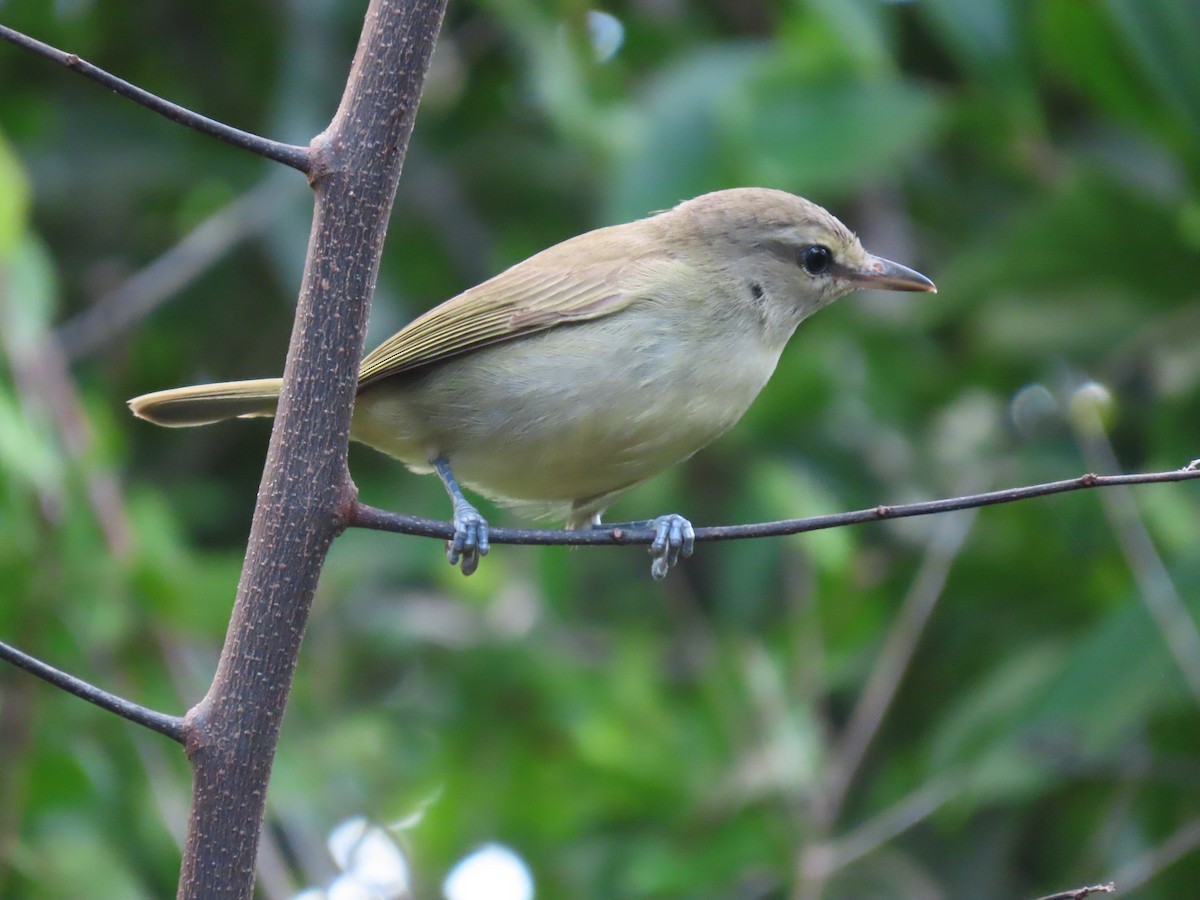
x=573, y=412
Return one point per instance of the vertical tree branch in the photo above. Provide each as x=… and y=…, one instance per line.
x=306, y=491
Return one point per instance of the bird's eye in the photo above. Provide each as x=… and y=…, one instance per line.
x=815, y=259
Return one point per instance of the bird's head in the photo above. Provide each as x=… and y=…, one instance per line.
x=787, y=251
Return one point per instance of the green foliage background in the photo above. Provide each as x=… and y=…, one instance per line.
x=1039, y=160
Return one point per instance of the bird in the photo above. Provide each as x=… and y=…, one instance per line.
x=586, y=369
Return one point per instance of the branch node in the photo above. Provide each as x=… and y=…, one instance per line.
x=319, y=164
x=345, y=512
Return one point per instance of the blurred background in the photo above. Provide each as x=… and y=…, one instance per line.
x=997, y=705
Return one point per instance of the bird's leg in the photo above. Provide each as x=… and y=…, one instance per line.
x=673, y=537
x=470, y=541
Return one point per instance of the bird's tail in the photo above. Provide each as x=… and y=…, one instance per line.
x=204, y=404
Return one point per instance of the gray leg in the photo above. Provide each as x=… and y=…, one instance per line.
x=470, y=541
x=673, y=537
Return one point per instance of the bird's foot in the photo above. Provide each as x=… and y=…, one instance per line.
x=470, y=541
x=673, y=536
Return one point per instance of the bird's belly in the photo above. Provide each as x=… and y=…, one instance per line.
x=568, y=415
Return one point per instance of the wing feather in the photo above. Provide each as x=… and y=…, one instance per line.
x=532, y=296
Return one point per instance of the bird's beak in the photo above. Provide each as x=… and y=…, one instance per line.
x=884, y=275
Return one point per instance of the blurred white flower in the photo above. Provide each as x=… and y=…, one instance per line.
x=1033, y=407
x=373, y=865
x=1092, y=408
x=606, y=34
x=345, y=887
x=493, y=872
x=367, y=854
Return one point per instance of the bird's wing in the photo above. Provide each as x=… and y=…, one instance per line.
x=528, y=297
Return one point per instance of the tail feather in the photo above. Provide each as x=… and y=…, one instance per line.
x=204, y=404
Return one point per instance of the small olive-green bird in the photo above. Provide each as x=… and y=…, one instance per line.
x=581, y=372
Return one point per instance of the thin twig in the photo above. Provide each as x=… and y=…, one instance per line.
x=1141, y=869
x=874, y=833
x=364, y=516
x=1081, y=892
x=47, y=391
x=171, y=726
x=1158, y=591
x=288, y=154
x=124, y=307
x=820, y=861
x=893, y=659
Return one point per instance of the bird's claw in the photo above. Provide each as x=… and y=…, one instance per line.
x=673, y=536
x=470, y=541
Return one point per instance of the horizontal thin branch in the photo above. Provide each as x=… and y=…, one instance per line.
x=288, y=154
x=1080, y=893
x=364, y=516
x=171, y=726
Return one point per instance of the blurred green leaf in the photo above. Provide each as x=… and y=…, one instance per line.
x=14, y=199
x=1164, y=38
x=983, y=34
x=677, y=149
x=822, y=136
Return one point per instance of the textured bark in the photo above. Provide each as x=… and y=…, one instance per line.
x=306, y=492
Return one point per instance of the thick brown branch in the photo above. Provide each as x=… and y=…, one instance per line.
x=171, y=726
x=288, y=154
x=306, y=492
x=364, y=516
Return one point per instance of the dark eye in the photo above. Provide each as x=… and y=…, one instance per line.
x=815, y=259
